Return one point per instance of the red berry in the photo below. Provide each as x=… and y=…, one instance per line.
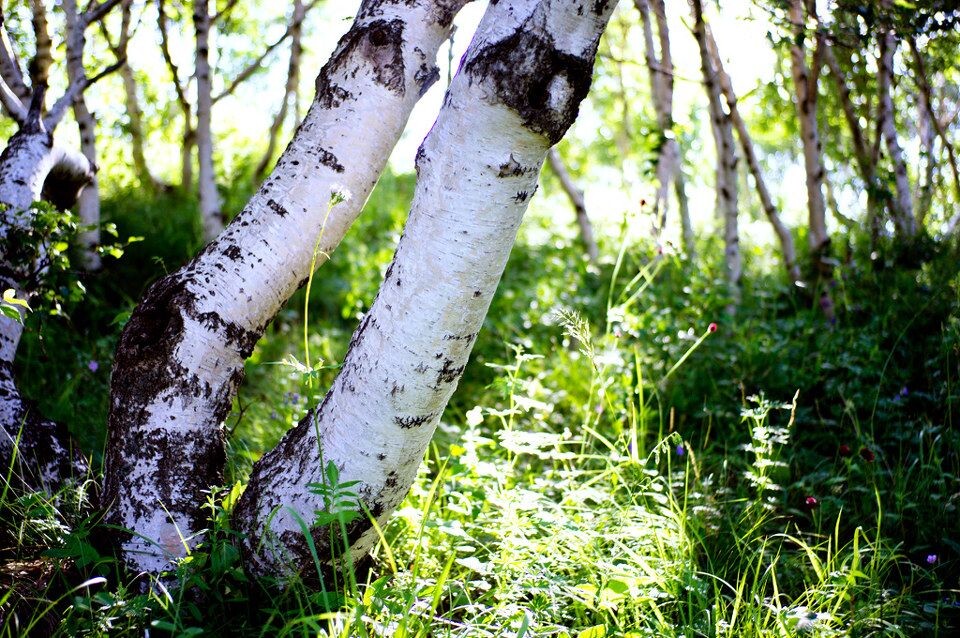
x=713, y=327
x=811, y=502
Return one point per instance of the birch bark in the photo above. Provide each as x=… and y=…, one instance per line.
x=210, y=213
x=726, y=184
x=88, y=206
x=517, y=92
x=180, y=357
x=903, y=217
x=805, y=88
x=787, y=248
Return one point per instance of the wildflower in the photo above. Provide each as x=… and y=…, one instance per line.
x=713, y=327
x=680, y=450
x=904, y=391
x=93, y=366
x=338, y=194
x=931, y=559
x=811, y=502
x=867, y=455
x=844, y=450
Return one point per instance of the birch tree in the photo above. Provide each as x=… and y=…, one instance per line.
x=291, y=89
x=32, y=168
x=659, y=61
x=787, y=249
x=180, y=357
x=198, y=115
x=805, y=79
x=726, y=174
x=903, y=215
x=516, y=93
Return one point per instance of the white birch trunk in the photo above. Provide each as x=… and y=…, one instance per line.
x=41, y=447
x=903, y=207
x=787, y=248
x=89, y=202
x=516, y=93
x=575, y=195
x=727, y=183
x=806, y=101
x=180, y=357
x=210, y=212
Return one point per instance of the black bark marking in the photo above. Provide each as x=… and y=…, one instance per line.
x=378, y=45
x=528, y=73
x=277, y=208
x=329, y=160
x=449, y=373
x=407, y=422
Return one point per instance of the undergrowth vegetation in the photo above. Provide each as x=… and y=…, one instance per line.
x=622, y=458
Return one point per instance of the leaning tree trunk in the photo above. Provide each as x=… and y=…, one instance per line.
x=575, y=195
x=787, y=248
x=727, y=184
x=210, y=214
x=517, y=92
x=805, y=86
x=180, y=357
x=37, y=450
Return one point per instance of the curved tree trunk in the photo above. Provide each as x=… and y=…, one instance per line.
x=787, y=248
x=38, y=450
x=727, y=183
x=180, y=357
x=517, y=92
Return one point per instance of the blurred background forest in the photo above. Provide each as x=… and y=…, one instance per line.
x=714, y=393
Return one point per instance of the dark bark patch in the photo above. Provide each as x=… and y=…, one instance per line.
x=329, y=160
x=449, y=373
x=411, y=421
x=529, y=74
x=378, y=45
x=277, y=208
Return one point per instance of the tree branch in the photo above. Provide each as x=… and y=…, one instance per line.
x=12, y=104
x=74, y=91
x=95, y=12
x=254, y=66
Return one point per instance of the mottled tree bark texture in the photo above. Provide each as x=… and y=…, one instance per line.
x=518, y=90
x=180, y=357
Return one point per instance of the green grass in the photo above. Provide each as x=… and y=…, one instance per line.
x=789, y=477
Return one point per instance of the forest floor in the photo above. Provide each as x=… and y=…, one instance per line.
x=623, y=457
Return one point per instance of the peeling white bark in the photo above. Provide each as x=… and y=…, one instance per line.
x=180, y=358
x=517, y=91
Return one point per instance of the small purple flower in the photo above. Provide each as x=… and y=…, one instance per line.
x=680, y=450
x=93, y=366
x=904, y=391
x=931, y=559
x=811, y=502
